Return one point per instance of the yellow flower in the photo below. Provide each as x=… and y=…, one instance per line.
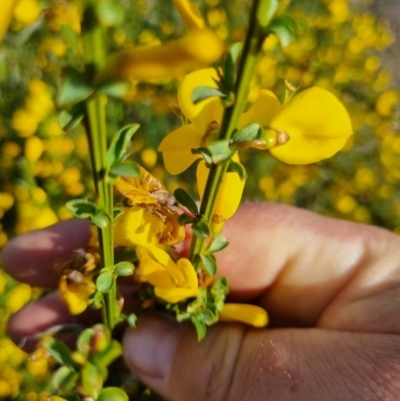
x=136, y=227
x=173, y=282
x=249, y=314
x=76, y=295
x=315, y=121
x=206, y=118
x=190, y=14
x=27, y=11
x=146, y=63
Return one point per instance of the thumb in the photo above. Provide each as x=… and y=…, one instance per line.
x=236, y=363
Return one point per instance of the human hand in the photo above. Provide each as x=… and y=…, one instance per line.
x=331, y=289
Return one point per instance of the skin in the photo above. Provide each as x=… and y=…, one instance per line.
x=331, y=289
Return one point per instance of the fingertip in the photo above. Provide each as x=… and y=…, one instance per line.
x=30, y=257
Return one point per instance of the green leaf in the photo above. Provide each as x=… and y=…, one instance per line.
x=185, y=219
x=235, y=167
x=126, y=168
x=120, y=143
x=220, y=287
x=92, y=379
x=220, y=150
x=204, y=92
x=64, y=379
x=97, y=299
x=68, y=120
x=74, y=89
x=124, y=269
x=81, y=208
x=110, y=354
x=284, y=27
x=116, y=213
x=205, y=153
x=112, y=394
x=209, y=264
x=186, y=200
x=83, y=343
x=200, y=327
x=248, y=133
x=101, y=219
x=201, y=229
x=132, y=320
x=229, y=65
x=219, y=243
x=266, y=12
x=206, y=316
x=115, y=89
x=60, y=352
x=105, y=282
x=108, y=13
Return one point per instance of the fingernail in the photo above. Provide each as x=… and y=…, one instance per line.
x=150, y=348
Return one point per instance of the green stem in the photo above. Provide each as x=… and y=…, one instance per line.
x=95, y=56
x=248, y=62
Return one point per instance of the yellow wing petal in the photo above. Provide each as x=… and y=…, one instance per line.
x=249, y=314
x=174, y=295
x=190, y=14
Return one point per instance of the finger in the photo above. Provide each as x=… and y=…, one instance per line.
x=309, y=269
x=233, y=363
x=30, y=258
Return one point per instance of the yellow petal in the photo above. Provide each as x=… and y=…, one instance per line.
x=76, y=295
x=7, y=8
x=206, y=111
x=266, y=107
x=165, y=260
x=231, y=190
x=176, y=148
x=190, y=14
x=318, y=126
x=136, y=227
x=188, y=271
x=154, y=273
x=249, y=314
x=145, y=63
x=175, y=295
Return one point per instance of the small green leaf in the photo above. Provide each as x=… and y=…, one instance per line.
x=125, y=168
x=184, y=219
x=124, y=269
x=220, y=287
x=110, y=354
x=92, y=380
x=284, y=27
x=204, y=92
x=120, y=143
x=186, y=200
x=74, y=89
x=105, y=282
x=220, y=150
x=248, y=133
x=116, y=213
x=206, y=316
x=266, y=12
x=115, y=89
x=60, y=352
x=101, y=219
x=81, y=208
x=68, y=120
x=97, y=299
x=200, y=327
x=229, y=65
x=83, y=342
x=209, y=264
x=132, y=320
x=201, y=229
x=219, y=243
x=238, y=168
x=64, y=379
x=112, y=394
x=205, y=153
